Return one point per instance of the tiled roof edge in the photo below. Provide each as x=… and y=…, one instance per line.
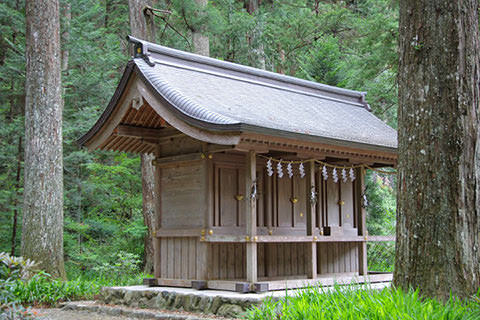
x=143, y=48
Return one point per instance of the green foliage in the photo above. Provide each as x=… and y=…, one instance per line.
x=357, y=302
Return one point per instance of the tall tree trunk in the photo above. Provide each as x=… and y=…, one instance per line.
x=257, y=52
x=200, y=39
x=141, y=26
x=438, y=213
x=42, y=233
x=67, y=17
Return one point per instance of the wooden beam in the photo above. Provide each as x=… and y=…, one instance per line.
x=362, y=222
x=139, y=132
x=157, y=254
x=251, y=216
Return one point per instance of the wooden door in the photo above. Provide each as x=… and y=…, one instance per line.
x=348, y=207
x=333, y=209
x=284, y=188
x=300, y=207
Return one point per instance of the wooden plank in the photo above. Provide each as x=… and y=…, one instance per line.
x=138, y=132
x=171, y=258
x=288, y=258
x=228, y=191
x=178, y=159
x=178, y=232
x=209, y=194
x=166, y=282
x=362, y=223
x=223, y=261
x=347, y=207
x=311, y=260
x=281, y=259
x=231, y=261
x=310, y=206
x=192, y=258
x=240, y=214
x=333, y=211
x=215, y=261
x=239, y=261
x=216, y=210
x=250, y=217
x=178, y=258
x=158, y=250
x=221, y=285
x=185, y=257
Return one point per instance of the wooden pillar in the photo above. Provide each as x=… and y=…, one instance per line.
x=203, y=247
x=251, y=217
x=362, y=223
x=311, y=255
x=157, y=255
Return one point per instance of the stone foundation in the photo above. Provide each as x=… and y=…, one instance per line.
x=167, y=299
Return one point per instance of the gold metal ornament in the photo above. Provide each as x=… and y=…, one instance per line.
x=270, y=232
x=341, y=202
x=301, y=214
x=210, y=232
x=247, y=238
x=239, y=197
x=294, y=200
x=202, y=232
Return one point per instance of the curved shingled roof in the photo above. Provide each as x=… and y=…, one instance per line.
x=222, y=96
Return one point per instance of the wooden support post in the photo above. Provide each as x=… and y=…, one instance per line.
x=311, y=255
x=251, y=216
x=157, y=254
x=203, y=247
x=362, y=223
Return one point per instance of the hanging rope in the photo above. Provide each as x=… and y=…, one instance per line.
x=325, y=164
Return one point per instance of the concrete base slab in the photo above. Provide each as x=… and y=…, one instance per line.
x=217, y=302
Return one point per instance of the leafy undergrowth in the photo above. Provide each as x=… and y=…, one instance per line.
x=362, y=303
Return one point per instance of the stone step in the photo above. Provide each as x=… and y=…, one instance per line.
x=92, y=306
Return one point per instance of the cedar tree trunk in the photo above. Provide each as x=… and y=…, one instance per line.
x=42, y=233
x=141, y=27
x=438, y=211
x=200, y=40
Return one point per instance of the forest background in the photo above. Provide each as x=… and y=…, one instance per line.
x=350, y=44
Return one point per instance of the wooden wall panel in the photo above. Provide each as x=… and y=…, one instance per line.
x=337, y=257
x=321, y=201
x=227, y=261
x=333, y=209
x=284, y=204
x=300, y=208
x=183, y=196
x=348, y=209
x=179, y=258
x=227, y=204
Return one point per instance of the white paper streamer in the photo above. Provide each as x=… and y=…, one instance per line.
x=301, y=170
x=290, y=170
x=279, y=169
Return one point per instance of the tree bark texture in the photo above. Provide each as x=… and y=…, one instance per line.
x=438, y=211
x=256, y=52
x=142, y=27
x=67, y=17
x=200, y=40
x=42, y=233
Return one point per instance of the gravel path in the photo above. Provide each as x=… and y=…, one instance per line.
x=59, y=314
x=90, y=310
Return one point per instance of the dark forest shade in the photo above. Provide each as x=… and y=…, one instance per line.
x=210, y=125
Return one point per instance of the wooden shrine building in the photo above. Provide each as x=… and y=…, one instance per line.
x=259, y=176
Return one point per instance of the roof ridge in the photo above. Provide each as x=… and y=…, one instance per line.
x=144, y=48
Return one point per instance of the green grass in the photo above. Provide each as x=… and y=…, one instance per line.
x=41, y=289
x=362, y=303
